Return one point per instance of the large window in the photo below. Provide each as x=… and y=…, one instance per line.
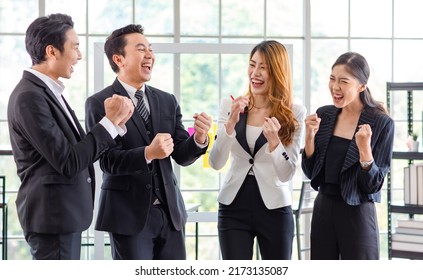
x=318, y=31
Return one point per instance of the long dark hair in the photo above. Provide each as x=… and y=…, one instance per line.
x=357, y=66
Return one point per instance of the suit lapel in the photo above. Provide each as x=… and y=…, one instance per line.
x=136, y=118
x=153, y=101
x=241, y=135
x=54, y=99
x=353, y=155
x=81, y=134
x=261, y=140
x=324, y=135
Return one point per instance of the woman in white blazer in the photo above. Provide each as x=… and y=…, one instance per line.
x=261, y=132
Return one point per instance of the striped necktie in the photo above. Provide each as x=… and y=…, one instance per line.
x=141, y=107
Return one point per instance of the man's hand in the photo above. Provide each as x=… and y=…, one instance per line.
x=202, y=124
x=161, y=147
x=118, y=109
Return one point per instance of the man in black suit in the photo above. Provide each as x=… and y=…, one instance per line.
x=52, y=152
x=141, y=205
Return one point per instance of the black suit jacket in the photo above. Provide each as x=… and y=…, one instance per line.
x=126, y=191
x=357, y=185
x=53, y=159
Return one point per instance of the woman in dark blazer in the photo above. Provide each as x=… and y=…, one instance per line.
x=347, y=153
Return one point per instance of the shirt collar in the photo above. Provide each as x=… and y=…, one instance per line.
x=57, y=87
x=130, y=89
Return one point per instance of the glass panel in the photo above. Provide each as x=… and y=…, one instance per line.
x=234, y=76
x=246, y=21
x=376, y=53
x=17, y=11
x=17, y=249
x=109, y=75
x=284, y=18
x=407, y=60
x=11, y=71
x=408, y=19
x=329, y=18
x=200, y=17
x=163, y=72
x=76, y=9
x=398, y=112
x=199, y=83
x=323, y=55
x=242, y=40
x=208, y=246
x=360, y=27
x=199, y=40
x=156, y=16
x=8, y=169
x=107, y=15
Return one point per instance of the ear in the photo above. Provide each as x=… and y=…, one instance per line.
x=117, y=58
x=51, y=52
x=363, y=87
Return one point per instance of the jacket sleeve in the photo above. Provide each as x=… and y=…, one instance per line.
x=221, y=148
x=285, y=158
x=48, y=129
x=185, y=150
x=371, y=181
x=116, y=160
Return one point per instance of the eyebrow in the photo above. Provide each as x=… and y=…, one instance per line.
x=142, y=45
x=261, y=63
x=341, y=78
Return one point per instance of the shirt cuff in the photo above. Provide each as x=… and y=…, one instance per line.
x=109, y=126
x=200, y=145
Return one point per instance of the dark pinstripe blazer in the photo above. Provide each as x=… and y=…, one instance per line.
x=357, y=185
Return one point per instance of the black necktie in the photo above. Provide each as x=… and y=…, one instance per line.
x=141, y=107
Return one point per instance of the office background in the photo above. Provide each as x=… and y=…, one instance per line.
x=386, y=32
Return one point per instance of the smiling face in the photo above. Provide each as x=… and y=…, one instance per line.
x=62, y=62
x=344, y=87
x=135, y=67
x=258, y=74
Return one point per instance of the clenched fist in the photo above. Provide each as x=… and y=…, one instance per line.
x=312, y=123
x=202, y=124
x=271, y=128
x=118, y=109
x=161, y=147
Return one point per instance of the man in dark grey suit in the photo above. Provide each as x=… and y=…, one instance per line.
x=52, y=152
x=140, y=202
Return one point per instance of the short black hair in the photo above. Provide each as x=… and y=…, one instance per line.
x=116, y=42
x=44, y=31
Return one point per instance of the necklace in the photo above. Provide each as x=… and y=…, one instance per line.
x=264, y=106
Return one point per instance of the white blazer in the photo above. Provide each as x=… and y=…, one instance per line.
x=273, y=170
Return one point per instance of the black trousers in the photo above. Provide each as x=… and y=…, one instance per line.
x=157, y=241
x=54, y=246
x=342, y=231
x=247, y=218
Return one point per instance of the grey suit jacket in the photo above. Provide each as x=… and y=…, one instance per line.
x=53, y=159
x=357, y=185
x=126, y=191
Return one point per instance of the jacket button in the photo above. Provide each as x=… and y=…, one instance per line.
x=89, y=180
x=251, y=161
x=148, y=186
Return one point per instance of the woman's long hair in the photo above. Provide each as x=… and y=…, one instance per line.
x=357, y=66
x=279, y=93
